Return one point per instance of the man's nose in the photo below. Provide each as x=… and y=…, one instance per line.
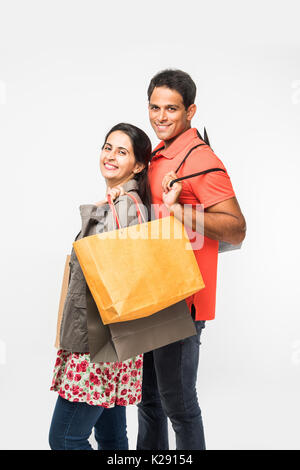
x=162, y=115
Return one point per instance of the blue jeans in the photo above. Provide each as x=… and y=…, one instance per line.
x=169, y=391
x=73, y=422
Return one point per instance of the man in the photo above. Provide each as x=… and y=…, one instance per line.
x=170, y=373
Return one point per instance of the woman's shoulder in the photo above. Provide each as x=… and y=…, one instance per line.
x=129, y=198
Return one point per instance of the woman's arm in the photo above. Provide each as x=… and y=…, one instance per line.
x=126, y=208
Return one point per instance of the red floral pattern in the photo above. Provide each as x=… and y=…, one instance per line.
x=104, y=384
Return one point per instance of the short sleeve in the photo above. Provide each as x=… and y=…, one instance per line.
x=212, y=187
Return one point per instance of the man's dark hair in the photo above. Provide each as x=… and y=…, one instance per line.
x=175, y=80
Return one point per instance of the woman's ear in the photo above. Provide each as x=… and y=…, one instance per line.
x=138, y=168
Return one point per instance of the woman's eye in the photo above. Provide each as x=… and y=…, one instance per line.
x=121, y=152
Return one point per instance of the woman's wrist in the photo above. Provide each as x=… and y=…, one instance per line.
x=101, y=203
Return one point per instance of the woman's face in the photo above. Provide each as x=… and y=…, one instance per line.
x=117, y=160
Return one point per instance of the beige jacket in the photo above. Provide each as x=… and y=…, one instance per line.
x=74, y=329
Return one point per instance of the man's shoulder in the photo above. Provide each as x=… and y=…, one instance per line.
x=202, y=158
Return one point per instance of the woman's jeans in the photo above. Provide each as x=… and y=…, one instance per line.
x=169, y=391
x=73, y=422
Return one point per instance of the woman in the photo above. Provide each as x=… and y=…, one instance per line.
x=94, y=395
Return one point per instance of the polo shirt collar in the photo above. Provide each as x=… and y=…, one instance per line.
x=178, y=144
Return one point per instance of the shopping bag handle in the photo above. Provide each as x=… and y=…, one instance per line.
x=112, y=206
x=205, y=142
x=196, y=174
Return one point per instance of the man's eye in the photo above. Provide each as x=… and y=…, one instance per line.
x=154, y=108
x=172, y=109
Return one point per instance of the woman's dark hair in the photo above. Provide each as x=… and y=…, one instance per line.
x=175, y=80
x=142, y=151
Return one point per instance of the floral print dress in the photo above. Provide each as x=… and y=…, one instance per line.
x=104, y=384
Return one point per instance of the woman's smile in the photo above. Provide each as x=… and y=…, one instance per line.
x=110, y=166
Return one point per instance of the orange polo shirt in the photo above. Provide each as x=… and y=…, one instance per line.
x=208, y=189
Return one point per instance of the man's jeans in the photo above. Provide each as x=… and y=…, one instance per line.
x=73, y=422
x=169, y=391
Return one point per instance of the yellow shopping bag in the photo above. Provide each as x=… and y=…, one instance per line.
x=139, y=270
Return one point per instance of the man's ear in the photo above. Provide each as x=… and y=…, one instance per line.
x=191, y=111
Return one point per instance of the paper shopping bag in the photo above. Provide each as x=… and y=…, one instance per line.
x=123, y=340
x=139, y=336
x=139, y=270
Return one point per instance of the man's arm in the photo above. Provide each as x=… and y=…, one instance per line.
x=223, y=221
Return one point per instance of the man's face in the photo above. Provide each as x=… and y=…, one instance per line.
x=167, y=114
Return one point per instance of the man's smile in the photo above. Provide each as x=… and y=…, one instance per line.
x=162, y=127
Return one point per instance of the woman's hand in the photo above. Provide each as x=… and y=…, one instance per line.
x=114, y=193
x=171, y=195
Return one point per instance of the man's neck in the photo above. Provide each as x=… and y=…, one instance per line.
x=170, y=141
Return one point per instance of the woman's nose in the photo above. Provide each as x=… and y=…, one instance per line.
x=111, y=154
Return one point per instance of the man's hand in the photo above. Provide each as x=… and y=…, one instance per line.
x=171, y=195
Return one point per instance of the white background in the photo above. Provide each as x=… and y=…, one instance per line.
x=69, y=70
